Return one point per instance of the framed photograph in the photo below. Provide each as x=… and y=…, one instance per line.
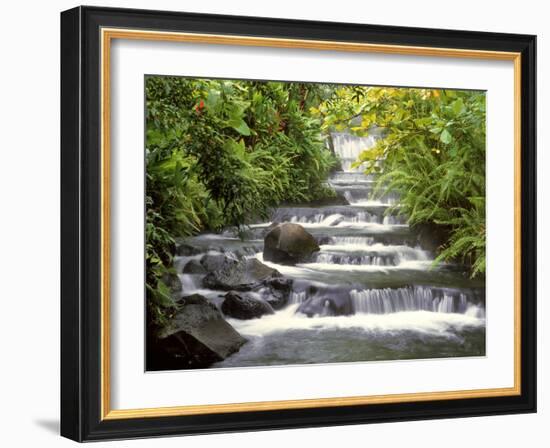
x=276, y=224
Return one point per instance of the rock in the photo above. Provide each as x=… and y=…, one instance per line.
x=173, y=282
x=337, y=199
x=323, y=239
x=244, y=306
x=289, y=243
x=247, y=251
x=194, y=267
x=431, y=236
x=276, y=292
x=216, y=262
x=186, y=250
x=241, y=275
x=326, y=306
x=193, y=299
x=196, y=337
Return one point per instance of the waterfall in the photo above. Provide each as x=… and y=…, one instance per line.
x=419, y=298
x=371, y=254
x=190, y=282
x=297, y=297
x=361, y=246
x=369, y=293
x=316, y=300
x=347, y=147
x=330, y=215
x=353, y=240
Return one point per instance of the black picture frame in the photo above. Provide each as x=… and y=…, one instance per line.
x=81, y=381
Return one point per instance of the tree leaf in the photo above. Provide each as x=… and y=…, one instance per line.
x=240, y=126
x=446, y=137
x=458, y=106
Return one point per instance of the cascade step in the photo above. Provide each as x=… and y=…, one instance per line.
x=375, y=254
x=327, y=300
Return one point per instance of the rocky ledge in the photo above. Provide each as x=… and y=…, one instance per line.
x=197, y=336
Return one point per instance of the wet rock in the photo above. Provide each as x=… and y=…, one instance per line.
x=194, y=267
x=173, y=282
x=196, y=337
x=216, y=262
x=244, y=306
x=326, y=306
x=337, y=198
x=186, y=250
x=323, y=239
x=289, y=243
x=431, y=236
x=238, y=274
x=247, y=251
x=276, y=291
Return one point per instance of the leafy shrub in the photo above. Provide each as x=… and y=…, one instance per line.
x=222, y=153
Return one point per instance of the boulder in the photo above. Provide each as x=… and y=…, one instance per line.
x=239, y=274
x=194, y=267
x=326, y=306
x=196, y=337
x=289, y=243
x=244, y=306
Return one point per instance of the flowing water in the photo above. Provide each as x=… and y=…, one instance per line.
x=397, y=305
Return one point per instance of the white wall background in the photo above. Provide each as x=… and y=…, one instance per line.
x=29, y=235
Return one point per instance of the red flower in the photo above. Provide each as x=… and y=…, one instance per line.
x=199, y=107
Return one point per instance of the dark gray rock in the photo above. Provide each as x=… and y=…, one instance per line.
x=173, y=282
x=276, y=291
x=186, y=250
x=196, y=337
x=326, y=306
x=194, y=267
x=217, y=262
x=244, y=306
x=289, y=243
x=336, y=199
x=431, y=236
x=239, y=274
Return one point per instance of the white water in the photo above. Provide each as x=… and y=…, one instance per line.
x=374, y=227
x=348, y=147
x=352, y=240
x=418, y=321
x=298, y=269
x=383, y=301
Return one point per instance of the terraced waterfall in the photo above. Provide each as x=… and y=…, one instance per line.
x=370, y=292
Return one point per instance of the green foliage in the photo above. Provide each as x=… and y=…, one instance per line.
x=432, y=153
x=222, y=153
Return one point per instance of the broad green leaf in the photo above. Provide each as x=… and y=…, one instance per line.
x=240, y=126
x=458, y=106
x=446, y=137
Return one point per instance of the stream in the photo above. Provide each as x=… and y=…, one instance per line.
x=401, y=306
